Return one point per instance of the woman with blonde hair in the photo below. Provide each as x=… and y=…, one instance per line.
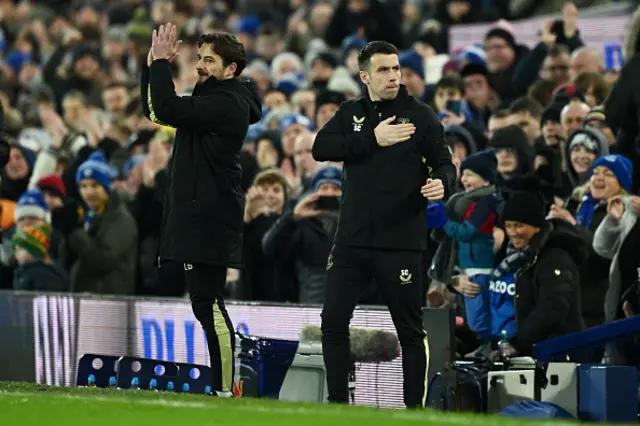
x=611, y=176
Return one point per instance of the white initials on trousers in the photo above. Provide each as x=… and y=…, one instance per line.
x=187, y=266
x=502, y=287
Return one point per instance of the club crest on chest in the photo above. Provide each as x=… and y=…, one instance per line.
x=357, y=123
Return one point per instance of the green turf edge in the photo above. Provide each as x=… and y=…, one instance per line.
x=16, y=390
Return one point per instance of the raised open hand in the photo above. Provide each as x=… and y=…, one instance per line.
x=164, y=43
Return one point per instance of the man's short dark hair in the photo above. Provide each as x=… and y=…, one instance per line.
x=228, y=47
x=374, y=48
x=450, y=82
x=557, y=50
x=526, y=104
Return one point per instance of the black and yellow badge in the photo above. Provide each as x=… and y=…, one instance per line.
x=403, y=120
x=405, y=276
x=357, y=123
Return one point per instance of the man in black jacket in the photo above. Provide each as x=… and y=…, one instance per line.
x=204, y=203
x=395, y=156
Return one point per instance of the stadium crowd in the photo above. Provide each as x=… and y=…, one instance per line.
x=81, y=196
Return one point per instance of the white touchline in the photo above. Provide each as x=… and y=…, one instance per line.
x=423, y=416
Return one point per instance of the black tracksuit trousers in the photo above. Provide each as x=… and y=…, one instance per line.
x=206, y=284
x=399, y=275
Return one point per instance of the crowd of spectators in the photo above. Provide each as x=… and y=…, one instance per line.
x=81, y=196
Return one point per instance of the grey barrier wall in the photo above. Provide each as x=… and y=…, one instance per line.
x=43, y=336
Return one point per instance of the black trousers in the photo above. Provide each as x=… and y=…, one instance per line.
x=206, y=285
x=399, y=275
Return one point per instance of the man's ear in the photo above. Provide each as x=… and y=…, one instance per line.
x=231, y=70
x=364, y=77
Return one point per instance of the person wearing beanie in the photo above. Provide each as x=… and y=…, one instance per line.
x=53, y=189
x=539, y=268
x=515, y=156
x=597, y=119
x=275, y=98
x=36, y=271
x=269, y=151
x=290, y=83
x=327, y=103
x=322, y=68
x=503, y=55
x=472, y=215
x=32, y=209
x=608, y=177
x=413, y=75
x=290, y=127
x=307, y=232
x=16, y=172
x=566, y=94
x=103, y=237
x=581, y=149
x=550, y=124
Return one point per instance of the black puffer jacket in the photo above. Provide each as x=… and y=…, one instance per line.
x=548, y=289
x=203, y=208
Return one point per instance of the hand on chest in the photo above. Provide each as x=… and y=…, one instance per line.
x=362, y=124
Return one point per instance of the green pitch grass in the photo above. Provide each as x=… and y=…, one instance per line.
x=27, y=404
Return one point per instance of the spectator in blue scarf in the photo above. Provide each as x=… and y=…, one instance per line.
x=103, y=238
x=610, y=176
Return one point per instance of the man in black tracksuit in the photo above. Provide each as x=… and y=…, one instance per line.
x=204, y=203
x=395, y=159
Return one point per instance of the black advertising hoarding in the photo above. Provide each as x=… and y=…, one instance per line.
x=17, y=361
x=42, y=337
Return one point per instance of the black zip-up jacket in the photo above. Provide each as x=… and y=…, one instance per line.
x=547, y=300
x=203, y=209
x=382, y=206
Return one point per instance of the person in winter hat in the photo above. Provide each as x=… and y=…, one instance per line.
x=471, y=226
x=609, y=176
x=598, y=120
x=327, y=103
x=539, y=268
x=17, y=172
x=290, y=127
x=413, y=74
x=53, y=189
x=36, y=270
x=103, y=237
x=515, y=156
x=94, y=178
x=581, y=150
x=32, y=209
